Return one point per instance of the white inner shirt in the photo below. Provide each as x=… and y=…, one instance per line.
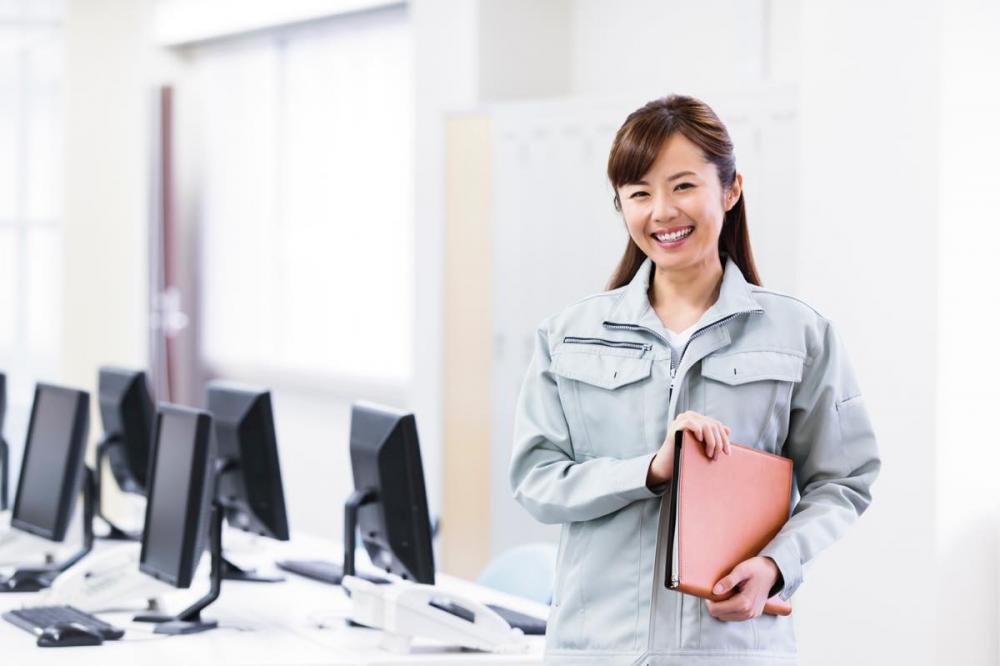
x=677, y=342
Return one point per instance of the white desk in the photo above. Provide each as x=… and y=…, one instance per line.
x=296, y=622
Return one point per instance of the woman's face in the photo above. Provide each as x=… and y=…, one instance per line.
x=675, y=212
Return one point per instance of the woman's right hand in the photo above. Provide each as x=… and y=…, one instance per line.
x=710, y=432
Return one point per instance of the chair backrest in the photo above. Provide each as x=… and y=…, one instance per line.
x=526, y=571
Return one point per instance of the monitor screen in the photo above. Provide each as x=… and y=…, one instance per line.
x=178, y=499
x=385, y=458
x=127, y=416
x=52, y=463
x=251, y=492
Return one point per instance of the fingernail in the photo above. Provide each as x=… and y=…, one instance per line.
x=717, y=589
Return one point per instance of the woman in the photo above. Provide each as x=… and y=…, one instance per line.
x=685, y=339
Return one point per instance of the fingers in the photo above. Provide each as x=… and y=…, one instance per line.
x=737, y=608
x=713, y=434
x=710, y=439
x=731, y=580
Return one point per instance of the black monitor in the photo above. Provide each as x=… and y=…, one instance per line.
x=392, y=516
x=127, y=415
x=52, y=471
x=4, y=449
x=389, y=503
x=179, y=497
x=250, y=491
x=52, y=464
x=181, y=486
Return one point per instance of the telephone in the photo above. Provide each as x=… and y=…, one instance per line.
x=19, y=548
x=104, y=580
x=404, y=610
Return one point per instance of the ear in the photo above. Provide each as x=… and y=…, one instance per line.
x=733, y=194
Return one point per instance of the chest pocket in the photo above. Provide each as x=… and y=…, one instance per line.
x=603, y=392
x=750, y=392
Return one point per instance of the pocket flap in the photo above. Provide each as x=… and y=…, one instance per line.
x=602, y=370
x=752, y=366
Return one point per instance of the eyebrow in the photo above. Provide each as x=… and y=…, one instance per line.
x=677, y=175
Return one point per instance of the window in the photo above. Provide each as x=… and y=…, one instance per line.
x=305, y=140
x=30, y=202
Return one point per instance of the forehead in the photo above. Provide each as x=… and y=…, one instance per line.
x=678, y=153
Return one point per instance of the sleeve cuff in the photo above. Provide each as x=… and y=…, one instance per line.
x=789, y=569
x=631, y=476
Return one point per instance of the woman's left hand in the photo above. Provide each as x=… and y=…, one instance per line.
x=753, y=579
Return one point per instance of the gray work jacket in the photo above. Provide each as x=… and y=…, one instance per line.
x=594, y=408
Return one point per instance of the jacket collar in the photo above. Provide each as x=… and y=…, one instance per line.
x=634, y=309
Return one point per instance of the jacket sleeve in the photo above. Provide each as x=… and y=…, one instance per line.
x=544, y=476
x=835, y=457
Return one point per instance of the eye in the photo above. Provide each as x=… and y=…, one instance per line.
x=684, y=186
x=637, y=194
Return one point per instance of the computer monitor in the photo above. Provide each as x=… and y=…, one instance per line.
x=179, y=495
x=388, y=505
x=127, y=416
x=4, y=449
x=52, y=464
x=250, y=490
x=392, y=518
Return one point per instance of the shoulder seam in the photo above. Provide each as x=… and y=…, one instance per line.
x=758, y=290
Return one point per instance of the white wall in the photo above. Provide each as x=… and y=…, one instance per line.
x=107, y=100
x=968, y=235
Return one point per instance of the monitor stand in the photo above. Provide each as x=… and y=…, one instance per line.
x=330, y=572
x=189, y=620
x=114, y=532
x=36, y=579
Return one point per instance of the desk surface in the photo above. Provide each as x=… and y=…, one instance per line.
x=298, y=621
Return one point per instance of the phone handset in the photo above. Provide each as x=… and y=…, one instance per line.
x=404, y=610
x=104, y=579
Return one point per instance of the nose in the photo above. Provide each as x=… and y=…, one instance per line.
x=664, y=209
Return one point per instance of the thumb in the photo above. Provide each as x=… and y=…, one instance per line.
x=735, y=577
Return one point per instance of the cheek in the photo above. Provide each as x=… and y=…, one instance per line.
x=707, y=213
x=635, y=222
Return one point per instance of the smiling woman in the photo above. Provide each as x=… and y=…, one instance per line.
x=684, y=339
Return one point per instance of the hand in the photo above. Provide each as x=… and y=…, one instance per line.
x=752, y=579
x=712, y=433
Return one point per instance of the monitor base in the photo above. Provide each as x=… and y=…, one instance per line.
x=179, y=627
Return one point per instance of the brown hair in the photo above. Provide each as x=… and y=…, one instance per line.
x=635, y=149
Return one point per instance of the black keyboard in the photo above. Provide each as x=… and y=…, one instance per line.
x=323, y=571
x=35, y=620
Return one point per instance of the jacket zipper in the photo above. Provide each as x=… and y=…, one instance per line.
x=673, y=368
x=643, y=346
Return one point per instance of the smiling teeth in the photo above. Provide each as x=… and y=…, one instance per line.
x=677, y=235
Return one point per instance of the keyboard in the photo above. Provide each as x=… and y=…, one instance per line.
x=35, y=620
x=323, y=571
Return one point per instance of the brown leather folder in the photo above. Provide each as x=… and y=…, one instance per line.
x=722, y=512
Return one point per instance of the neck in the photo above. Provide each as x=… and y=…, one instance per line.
x=691, y=288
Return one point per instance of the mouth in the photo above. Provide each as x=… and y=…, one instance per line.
x=673, y=237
